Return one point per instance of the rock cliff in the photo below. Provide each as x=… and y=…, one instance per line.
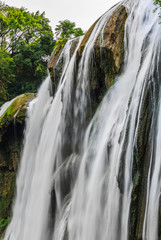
x=108, y=56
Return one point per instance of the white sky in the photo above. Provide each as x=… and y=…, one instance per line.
x=83, y=12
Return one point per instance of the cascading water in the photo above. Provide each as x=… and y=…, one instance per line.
x=98, y=209
x=75, y=179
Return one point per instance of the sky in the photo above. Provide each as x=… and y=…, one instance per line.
x=83, y=12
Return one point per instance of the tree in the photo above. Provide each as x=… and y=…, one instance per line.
x=7, y=76
x=28, y=38
x=66, y=29
x=157, y=2
x=30, y=68
x=26, y=42
x=78, y=32
x=19, y=25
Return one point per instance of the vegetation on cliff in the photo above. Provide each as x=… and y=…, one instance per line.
x=157, y=2
x=16, y=110
x=26, y=43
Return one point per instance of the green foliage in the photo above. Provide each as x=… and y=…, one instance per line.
x=31, y=62
x=16, y=108
x=66, y=29
x=59, y=45
x=19, y=25
x=7, y=74
x=4, y=222
x=26, y=42
x=78, y=32
x=157, y=2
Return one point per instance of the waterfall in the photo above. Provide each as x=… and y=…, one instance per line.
x=75, y=179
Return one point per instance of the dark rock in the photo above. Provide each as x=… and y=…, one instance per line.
x=143, y=153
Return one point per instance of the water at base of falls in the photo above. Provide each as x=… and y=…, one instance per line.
x=77, y=185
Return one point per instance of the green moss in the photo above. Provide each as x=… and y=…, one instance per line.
x=59, y=45
x=16, y=109
x=3, y=225
x=4, y=222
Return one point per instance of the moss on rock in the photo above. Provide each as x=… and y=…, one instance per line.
x=3, y=224
x=16, y=110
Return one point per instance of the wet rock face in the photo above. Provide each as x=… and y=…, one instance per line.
x=111, y=52
x=142, y=155
x=114, y=35
x=108, y=57
x=11, y=141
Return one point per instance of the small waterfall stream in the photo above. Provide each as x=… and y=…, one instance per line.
x=75, y=178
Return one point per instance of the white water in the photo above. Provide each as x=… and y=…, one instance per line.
x=98, y=205
x=5, y=106
x=35, y=177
